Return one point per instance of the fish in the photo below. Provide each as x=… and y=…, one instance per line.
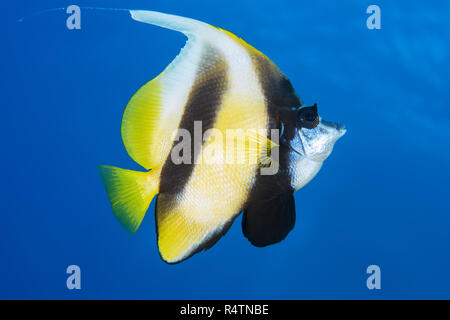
x=216, y=84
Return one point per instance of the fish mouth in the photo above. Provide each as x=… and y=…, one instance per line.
x=339, y=127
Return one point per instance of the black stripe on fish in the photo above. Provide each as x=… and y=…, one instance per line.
x=259, y=215
x=279, y=94
x=269, y=221
x=203, y=104
x=281, y=102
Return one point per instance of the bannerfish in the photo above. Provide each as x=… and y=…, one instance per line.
x=224, y=84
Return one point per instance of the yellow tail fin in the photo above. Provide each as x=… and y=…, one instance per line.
x=130, y=193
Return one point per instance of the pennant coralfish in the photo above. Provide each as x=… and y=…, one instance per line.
x=223, y=83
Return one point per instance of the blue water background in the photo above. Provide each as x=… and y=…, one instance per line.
x=381, y=198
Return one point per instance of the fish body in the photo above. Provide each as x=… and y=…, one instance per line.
x=217, y=84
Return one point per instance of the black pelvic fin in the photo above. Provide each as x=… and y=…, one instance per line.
x=266, y=222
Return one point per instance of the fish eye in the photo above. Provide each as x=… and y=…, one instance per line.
x=308, y=117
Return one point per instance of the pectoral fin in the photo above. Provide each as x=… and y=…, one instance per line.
x=267, y=222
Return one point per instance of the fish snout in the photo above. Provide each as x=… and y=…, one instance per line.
x=340, y=128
